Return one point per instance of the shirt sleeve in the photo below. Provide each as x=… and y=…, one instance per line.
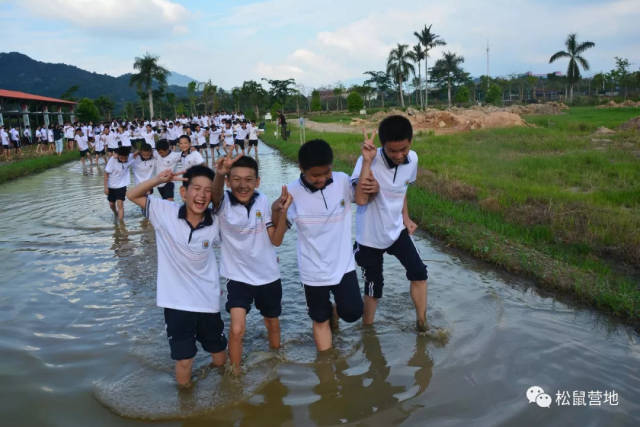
x=356, y=171
x=109, y=167
x=414, y=165
x=157, y=210
x=267, y=212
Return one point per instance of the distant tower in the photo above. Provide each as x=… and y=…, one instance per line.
x=487, y=64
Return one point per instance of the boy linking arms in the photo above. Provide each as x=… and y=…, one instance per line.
x=116, y=179
x=382, y=219
x=321, y=210
x=248, y=257
x=188, y=286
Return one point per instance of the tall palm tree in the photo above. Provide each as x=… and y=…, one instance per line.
x=573, y=53
x=381, y=80
x=418, y=55
x=148, y=72
x=447, y=70
x=399, y=66
x=428, y=40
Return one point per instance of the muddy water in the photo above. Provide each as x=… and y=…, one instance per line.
x=82, y=343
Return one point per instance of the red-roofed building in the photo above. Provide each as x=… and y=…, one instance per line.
x=23, y=109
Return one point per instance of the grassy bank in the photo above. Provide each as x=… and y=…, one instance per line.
x=23, y=167
x=554, y=202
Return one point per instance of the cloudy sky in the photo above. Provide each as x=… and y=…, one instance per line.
x=315, y=42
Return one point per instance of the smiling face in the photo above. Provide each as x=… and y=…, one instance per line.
x=184, y=144
x=197, y=195
x=242, y=181
x=397, y=151
x=317, y=176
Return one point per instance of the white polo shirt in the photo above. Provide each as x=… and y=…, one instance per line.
x=83, y=142
x=149, y=138
x=323, y=220
x=111, y=139
x=125, y=138
x=379, y=223
x=142, y=169
x=246, y=252
x=191, y=159
x=228, y=136
x=187, y=269
x=118, y=172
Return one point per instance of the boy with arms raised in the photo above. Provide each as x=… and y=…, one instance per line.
x=321, y=210
x=248, y=256
x=382, y=218
x=188, y=286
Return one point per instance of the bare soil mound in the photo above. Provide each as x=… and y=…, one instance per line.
x=633, y=124
x=626, y=104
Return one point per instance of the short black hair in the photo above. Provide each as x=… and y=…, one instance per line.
x=186, y=137
x=123, y=151
x=395, y=128
x=316, y=152
x=246, y=162
x=195, y=171
x=145, y=147
x=162, y=144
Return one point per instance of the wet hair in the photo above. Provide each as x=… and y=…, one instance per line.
x=123, y=151
x=185, y=137
x=162, y=144
x=316, y=152
x=246, y=162
x=195, y=171
x=145, y=147
x=395, y=128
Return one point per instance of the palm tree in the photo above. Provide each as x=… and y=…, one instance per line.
x=448, y=69
x=429, y=40
x=381, y=80
x=148, y=72
x=418, y=55
x=399, y=66
x=573, y=53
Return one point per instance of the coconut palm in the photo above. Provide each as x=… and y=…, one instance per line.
x=428, y=40
x=399, y=66
x=148, y=72
x=418, y=55
x=381, y=80
x=573, y=53
x=447, y=70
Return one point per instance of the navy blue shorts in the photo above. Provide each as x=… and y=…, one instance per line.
x=253, y=142
x=346, y=295
x=185, y=327
x=117, y=194
x=268, y=298
x=370, y=261
x=166, y=191
x=240, y=143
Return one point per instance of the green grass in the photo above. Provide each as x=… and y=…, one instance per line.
x=552, y=201
x=19, y=168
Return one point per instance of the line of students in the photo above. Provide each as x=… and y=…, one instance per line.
x=249, y=228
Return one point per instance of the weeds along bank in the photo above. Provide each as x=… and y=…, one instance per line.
x=28, y=166
x=555, y=201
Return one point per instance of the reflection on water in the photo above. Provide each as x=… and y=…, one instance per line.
x=80, y=334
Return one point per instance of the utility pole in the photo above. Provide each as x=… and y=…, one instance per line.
x=487, y=65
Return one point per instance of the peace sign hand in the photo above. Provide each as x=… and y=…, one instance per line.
x=224, y=164
x=368, y=146
x=168, y=175
x=285, y=200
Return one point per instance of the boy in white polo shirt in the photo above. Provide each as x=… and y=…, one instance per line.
x=116, y=179
x=321, y=210
x=165, y=159
x=188, y=158
x=188, y=285
x=382, y=218
x=248, y=256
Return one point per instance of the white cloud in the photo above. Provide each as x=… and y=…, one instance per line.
x=142, y=18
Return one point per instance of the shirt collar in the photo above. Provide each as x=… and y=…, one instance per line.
x=207, y=219
x=311, y=188
x=387, y=161
x=234, y=200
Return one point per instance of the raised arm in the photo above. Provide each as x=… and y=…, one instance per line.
x=279, y=217
x=223, y=167
x=367, y=186
x=138, y=194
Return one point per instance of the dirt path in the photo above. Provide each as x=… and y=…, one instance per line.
x=329, y=127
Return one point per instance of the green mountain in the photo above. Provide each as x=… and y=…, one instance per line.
x=20, y=72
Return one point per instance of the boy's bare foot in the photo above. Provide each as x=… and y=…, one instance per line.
x=421, y=325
